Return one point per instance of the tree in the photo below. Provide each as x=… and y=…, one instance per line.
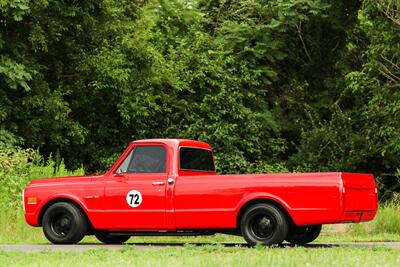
x=363, y=133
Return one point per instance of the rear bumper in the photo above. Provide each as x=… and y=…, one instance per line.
x=358, y=216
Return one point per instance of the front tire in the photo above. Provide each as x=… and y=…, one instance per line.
x=64, y=223
x=301, y=235
x=264, y=224
x=109, y=239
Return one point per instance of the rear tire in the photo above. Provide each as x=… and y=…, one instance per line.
x=301, y=235
x=64, y=223
x=264, y=224
x=109, y=239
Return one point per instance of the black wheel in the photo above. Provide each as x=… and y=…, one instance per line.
x=264, y=224
x=301, y=235
x=109, y=239
x=64, y=223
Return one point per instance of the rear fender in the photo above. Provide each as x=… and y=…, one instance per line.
x=263, y=196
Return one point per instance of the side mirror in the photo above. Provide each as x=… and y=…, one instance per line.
x=119, y=172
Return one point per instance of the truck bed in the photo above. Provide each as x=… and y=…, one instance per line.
x=309, y=198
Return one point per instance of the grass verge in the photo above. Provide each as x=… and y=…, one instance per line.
x=210, y=255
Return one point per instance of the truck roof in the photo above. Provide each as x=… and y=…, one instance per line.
x=175, y=142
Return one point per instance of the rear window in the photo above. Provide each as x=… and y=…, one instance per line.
x=196, y=159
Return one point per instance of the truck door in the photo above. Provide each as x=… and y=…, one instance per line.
x=135, y=197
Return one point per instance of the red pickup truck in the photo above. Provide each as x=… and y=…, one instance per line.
x=170, y=187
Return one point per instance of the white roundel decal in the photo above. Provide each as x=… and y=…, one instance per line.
x=134, y=198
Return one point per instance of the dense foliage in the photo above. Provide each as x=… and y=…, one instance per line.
x=279, y=85
x=18, y=166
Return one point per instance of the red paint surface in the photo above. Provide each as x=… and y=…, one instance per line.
x=204, y=199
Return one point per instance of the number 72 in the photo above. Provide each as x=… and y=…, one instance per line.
x=134, y=199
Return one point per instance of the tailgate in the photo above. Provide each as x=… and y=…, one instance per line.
x=359, y=192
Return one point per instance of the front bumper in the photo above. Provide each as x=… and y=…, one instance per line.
x=31, y=218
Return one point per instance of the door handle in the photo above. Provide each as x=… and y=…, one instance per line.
x=157, y=183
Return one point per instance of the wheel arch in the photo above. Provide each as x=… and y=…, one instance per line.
x=63, y=199
x=267, y=200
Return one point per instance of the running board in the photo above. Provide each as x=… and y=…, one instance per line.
x=161, y=233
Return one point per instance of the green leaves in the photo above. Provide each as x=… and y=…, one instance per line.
x=19, y=166
x=363, y=131
x=14, y=9
x=103, y=73
x=14, y=74
x=269, y=84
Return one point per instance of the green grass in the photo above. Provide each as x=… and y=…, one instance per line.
x=210, y=255
x=388, y=220
x=348, y=237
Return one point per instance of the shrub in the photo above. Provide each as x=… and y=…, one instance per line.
x=19, y=166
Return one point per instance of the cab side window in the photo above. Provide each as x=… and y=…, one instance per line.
x=196, y=159
x=145, y=159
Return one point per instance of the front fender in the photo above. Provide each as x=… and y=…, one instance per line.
x=54, y=198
